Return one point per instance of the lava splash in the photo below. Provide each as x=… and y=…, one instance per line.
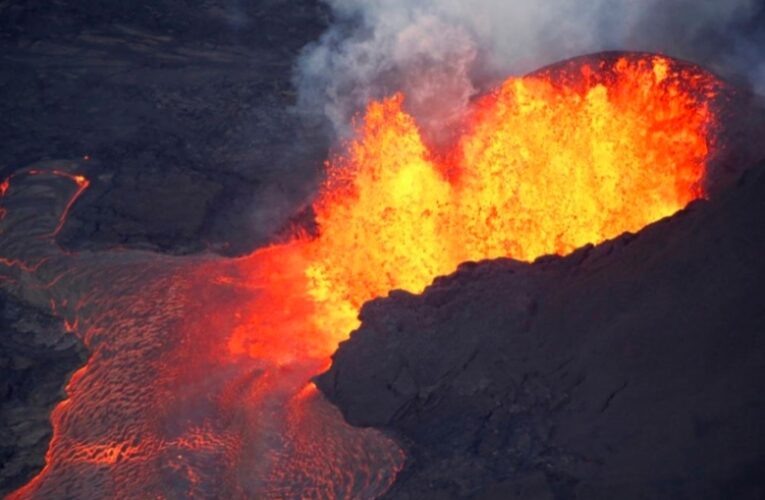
x=199, y=378
x=574, y=154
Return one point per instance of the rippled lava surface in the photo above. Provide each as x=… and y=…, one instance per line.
x=162, y=409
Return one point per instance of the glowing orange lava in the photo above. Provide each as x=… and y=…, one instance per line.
x=197, y=383
x=546, y=164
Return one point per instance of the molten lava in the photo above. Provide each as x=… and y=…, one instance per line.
x=546, y=164
x=198, y=380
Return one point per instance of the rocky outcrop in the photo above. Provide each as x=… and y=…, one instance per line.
x=36, y=358
x=631, y=369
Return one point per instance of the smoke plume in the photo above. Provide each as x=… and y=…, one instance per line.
x=442, y=52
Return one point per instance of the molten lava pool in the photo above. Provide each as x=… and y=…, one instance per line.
x=199, y=378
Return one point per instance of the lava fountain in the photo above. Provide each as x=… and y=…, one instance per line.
x=199, y=376
x=571, y=155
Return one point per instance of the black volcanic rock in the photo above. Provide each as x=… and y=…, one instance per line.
x=36, y=358
x=632, y=369
x=185, y=104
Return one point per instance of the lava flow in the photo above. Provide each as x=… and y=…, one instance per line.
x=198, y=378
x=547, y=163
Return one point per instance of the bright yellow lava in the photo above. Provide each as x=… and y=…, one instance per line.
x=546, y=164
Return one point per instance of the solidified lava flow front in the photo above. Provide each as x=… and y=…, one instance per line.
x=198, y=382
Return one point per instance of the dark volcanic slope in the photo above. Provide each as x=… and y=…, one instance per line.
x=634, y=369
x=184, y=104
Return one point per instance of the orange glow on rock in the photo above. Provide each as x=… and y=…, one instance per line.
x=546, y=164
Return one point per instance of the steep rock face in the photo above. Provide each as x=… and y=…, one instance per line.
x=36, y=358
x=633, y=369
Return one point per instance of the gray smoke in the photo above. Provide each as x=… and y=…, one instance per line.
x=442, y=52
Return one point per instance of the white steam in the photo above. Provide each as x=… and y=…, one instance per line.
x=441, y=52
